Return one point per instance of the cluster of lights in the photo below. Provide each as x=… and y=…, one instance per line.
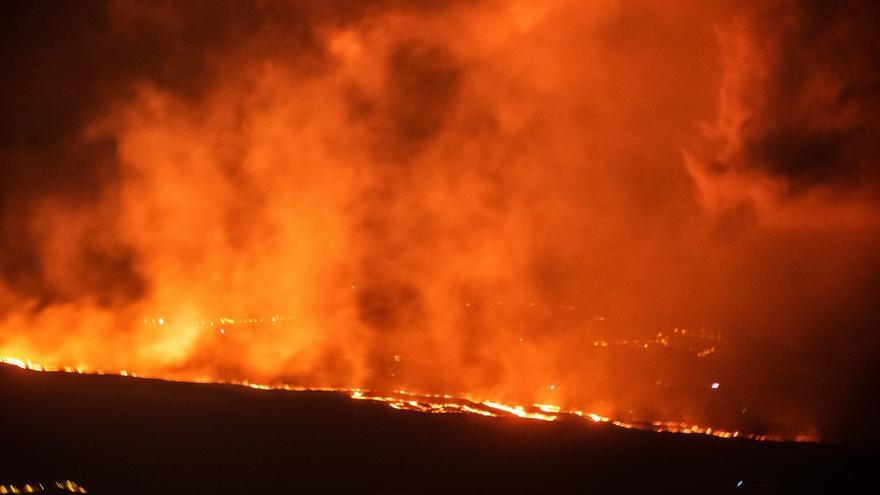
x=530, y=304
x=706, y=352
x=225, y=320
x=661, y=339
x=664, y=340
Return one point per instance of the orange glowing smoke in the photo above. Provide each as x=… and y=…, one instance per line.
x=455, y=198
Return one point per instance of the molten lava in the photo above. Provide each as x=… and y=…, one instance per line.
x=446, y=404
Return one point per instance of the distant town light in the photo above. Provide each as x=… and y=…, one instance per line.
x=715, y=385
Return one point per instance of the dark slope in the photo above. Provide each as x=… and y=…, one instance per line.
x=129, y=436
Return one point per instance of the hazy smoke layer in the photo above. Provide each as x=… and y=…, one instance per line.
x=452, y=197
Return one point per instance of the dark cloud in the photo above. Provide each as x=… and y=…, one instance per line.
x=72, y=175
x=389, y=305
x=811, y=94
x=49, y=53
x=421, y=82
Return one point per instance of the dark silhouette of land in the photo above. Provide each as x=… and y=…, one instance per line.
x=114, y=434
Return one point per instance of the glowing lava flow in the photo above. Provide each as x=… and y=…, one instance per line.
x=445, y=404
x=440, y=404
x=62, y=486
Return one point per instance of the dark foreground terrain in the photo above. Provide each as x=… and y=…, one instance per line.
x=117, y=435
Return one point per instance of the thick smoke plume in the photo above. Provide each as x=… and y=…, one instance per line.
x=452, y=197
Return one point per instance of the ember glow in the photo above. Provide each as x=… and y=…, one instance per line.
x=666, y=215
